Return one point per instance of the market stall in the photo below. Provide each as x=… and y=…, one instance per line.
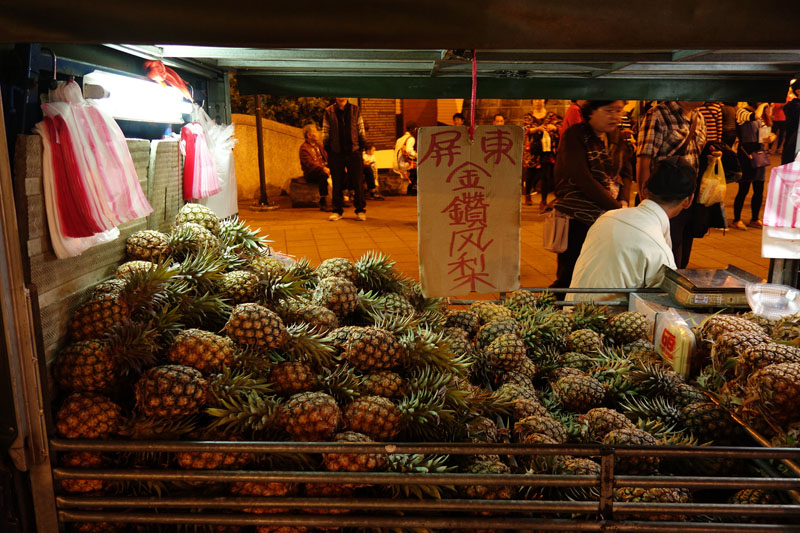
x=151, y=399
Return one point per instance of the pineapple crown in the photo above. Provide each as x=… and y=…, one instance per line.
x=239, y=238
x=245, y=413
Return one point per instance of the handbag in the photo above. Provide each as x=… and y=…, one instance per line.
x=758, y=159
x=712, y=184
x=555, y=232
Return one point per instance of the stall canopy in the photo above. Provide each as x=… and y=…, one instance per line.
x=679, y=49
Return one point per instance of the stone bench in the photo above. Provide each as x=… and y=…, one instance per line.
x=391, y=184
x=303, y=193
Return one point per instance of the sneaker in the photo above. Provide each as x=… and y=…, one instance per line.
x=375, y=196
x=739, y=225
x=527, y=199
x=335, y=217
x=361, y=216
x=755, y=224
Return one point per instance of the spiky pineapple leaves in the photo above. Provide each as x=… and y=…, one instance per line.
x=419, y=464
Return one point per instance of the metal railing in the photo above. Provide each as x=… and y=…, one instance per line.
x=598, y=514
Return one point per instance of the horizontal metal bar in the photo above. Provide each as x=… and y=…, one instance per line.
x=690, y=482
x=235, y=54
x=445, y=523
x=379, y=478
x=726, y=509
x=695, y=527
x=465, y=448
x=730, y=452
x=361, y=504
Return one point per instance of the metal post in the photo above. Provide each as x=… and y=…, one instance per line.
x=263, y=201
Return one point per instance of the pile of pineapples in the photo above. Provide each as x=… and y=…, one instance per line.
x=205, y=334
x=754, y=370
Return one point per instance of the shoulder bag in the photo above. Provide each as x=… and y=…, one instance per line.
x=555, y=232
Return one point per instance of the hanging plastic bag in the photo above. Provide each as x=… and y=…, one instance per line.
x=199, y=173
x=221, y=141
x=712, y=185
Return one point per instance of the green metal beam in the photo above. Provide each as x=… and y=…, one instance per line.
x=650, y=88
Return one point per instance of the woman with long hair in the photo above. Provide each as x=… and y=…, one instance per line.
x=592, y=176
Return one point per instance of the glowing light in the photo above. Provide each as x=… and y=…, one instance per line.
x=138, y=99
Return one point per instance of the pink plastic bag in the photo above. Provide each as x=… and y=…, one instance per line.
x=200, y=178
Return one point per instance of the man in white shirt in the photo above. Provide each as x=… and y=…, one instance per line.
x=630, y=248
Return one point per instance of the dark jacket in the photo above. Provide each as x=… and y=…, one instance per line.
x=331, y=134
x=312, y=161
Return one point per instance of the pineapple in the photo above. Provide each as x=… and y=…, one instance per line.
x=375, y=416
x=516, y=378
x=525, y=407
x=292, y=377
x=506, y=352
x=371, y=349
x=716, y=325
x=756, y=357
x=190, y=238
x=651, y=495
x=579, y=393
x=489, y=312
x=320, y=318
x=385, y=383
x=88, y=415
x=752, y=497
x=98, y=315
x=353, y=462
x=337, y=294
x=198, y=214
x=544, y=425
x=585, y=341
x=239, y=286
x=126, y=270
x=211, y=460
x=489, y=332
x=337, y=267
x=85, y=366
x=257, y=327
x=708, y=422
x=203, y=350
x=578, y=466
x=521, y=299
x=310, y=416
x=89, y=460
x=264, y=265
x=465, y=320
x=600, y=421
x=632, y=464
x=488, y=492
x=170, y=392
x=641, y=350
x=265, y=490
x=376, y=272
x=777, y=388
x=628, y=327
x=787, y=330
x=591, y=316
x=683, y=394
x=731, y=344
x=578, y=360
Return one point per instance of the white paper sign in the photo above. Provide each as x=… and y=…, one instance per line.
x=469, y=209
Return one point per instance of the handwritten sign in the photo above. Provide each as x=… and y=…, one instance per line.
x=469, y=209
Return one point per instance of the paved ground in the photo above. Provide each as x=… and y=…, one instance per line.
x=391, y=227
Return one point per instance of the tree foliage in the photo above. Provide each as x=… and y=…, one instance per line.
x=293, y=111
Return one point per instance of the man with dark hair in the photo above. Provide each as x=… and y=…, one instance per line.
x=314, y=162
x=630, y=248
x=458, y=119
x=344, y=137
x=499, y=120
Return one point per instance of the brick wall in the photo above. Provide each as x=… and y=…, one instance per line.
x=379, y=121
x=513, y=110
x=423, y=112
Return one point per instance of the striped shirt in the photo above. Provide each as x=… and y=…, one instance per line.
x=712, y=114
x=663, y=131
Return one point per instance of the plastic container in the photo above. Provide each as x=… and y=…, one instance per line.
x=772, y=301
